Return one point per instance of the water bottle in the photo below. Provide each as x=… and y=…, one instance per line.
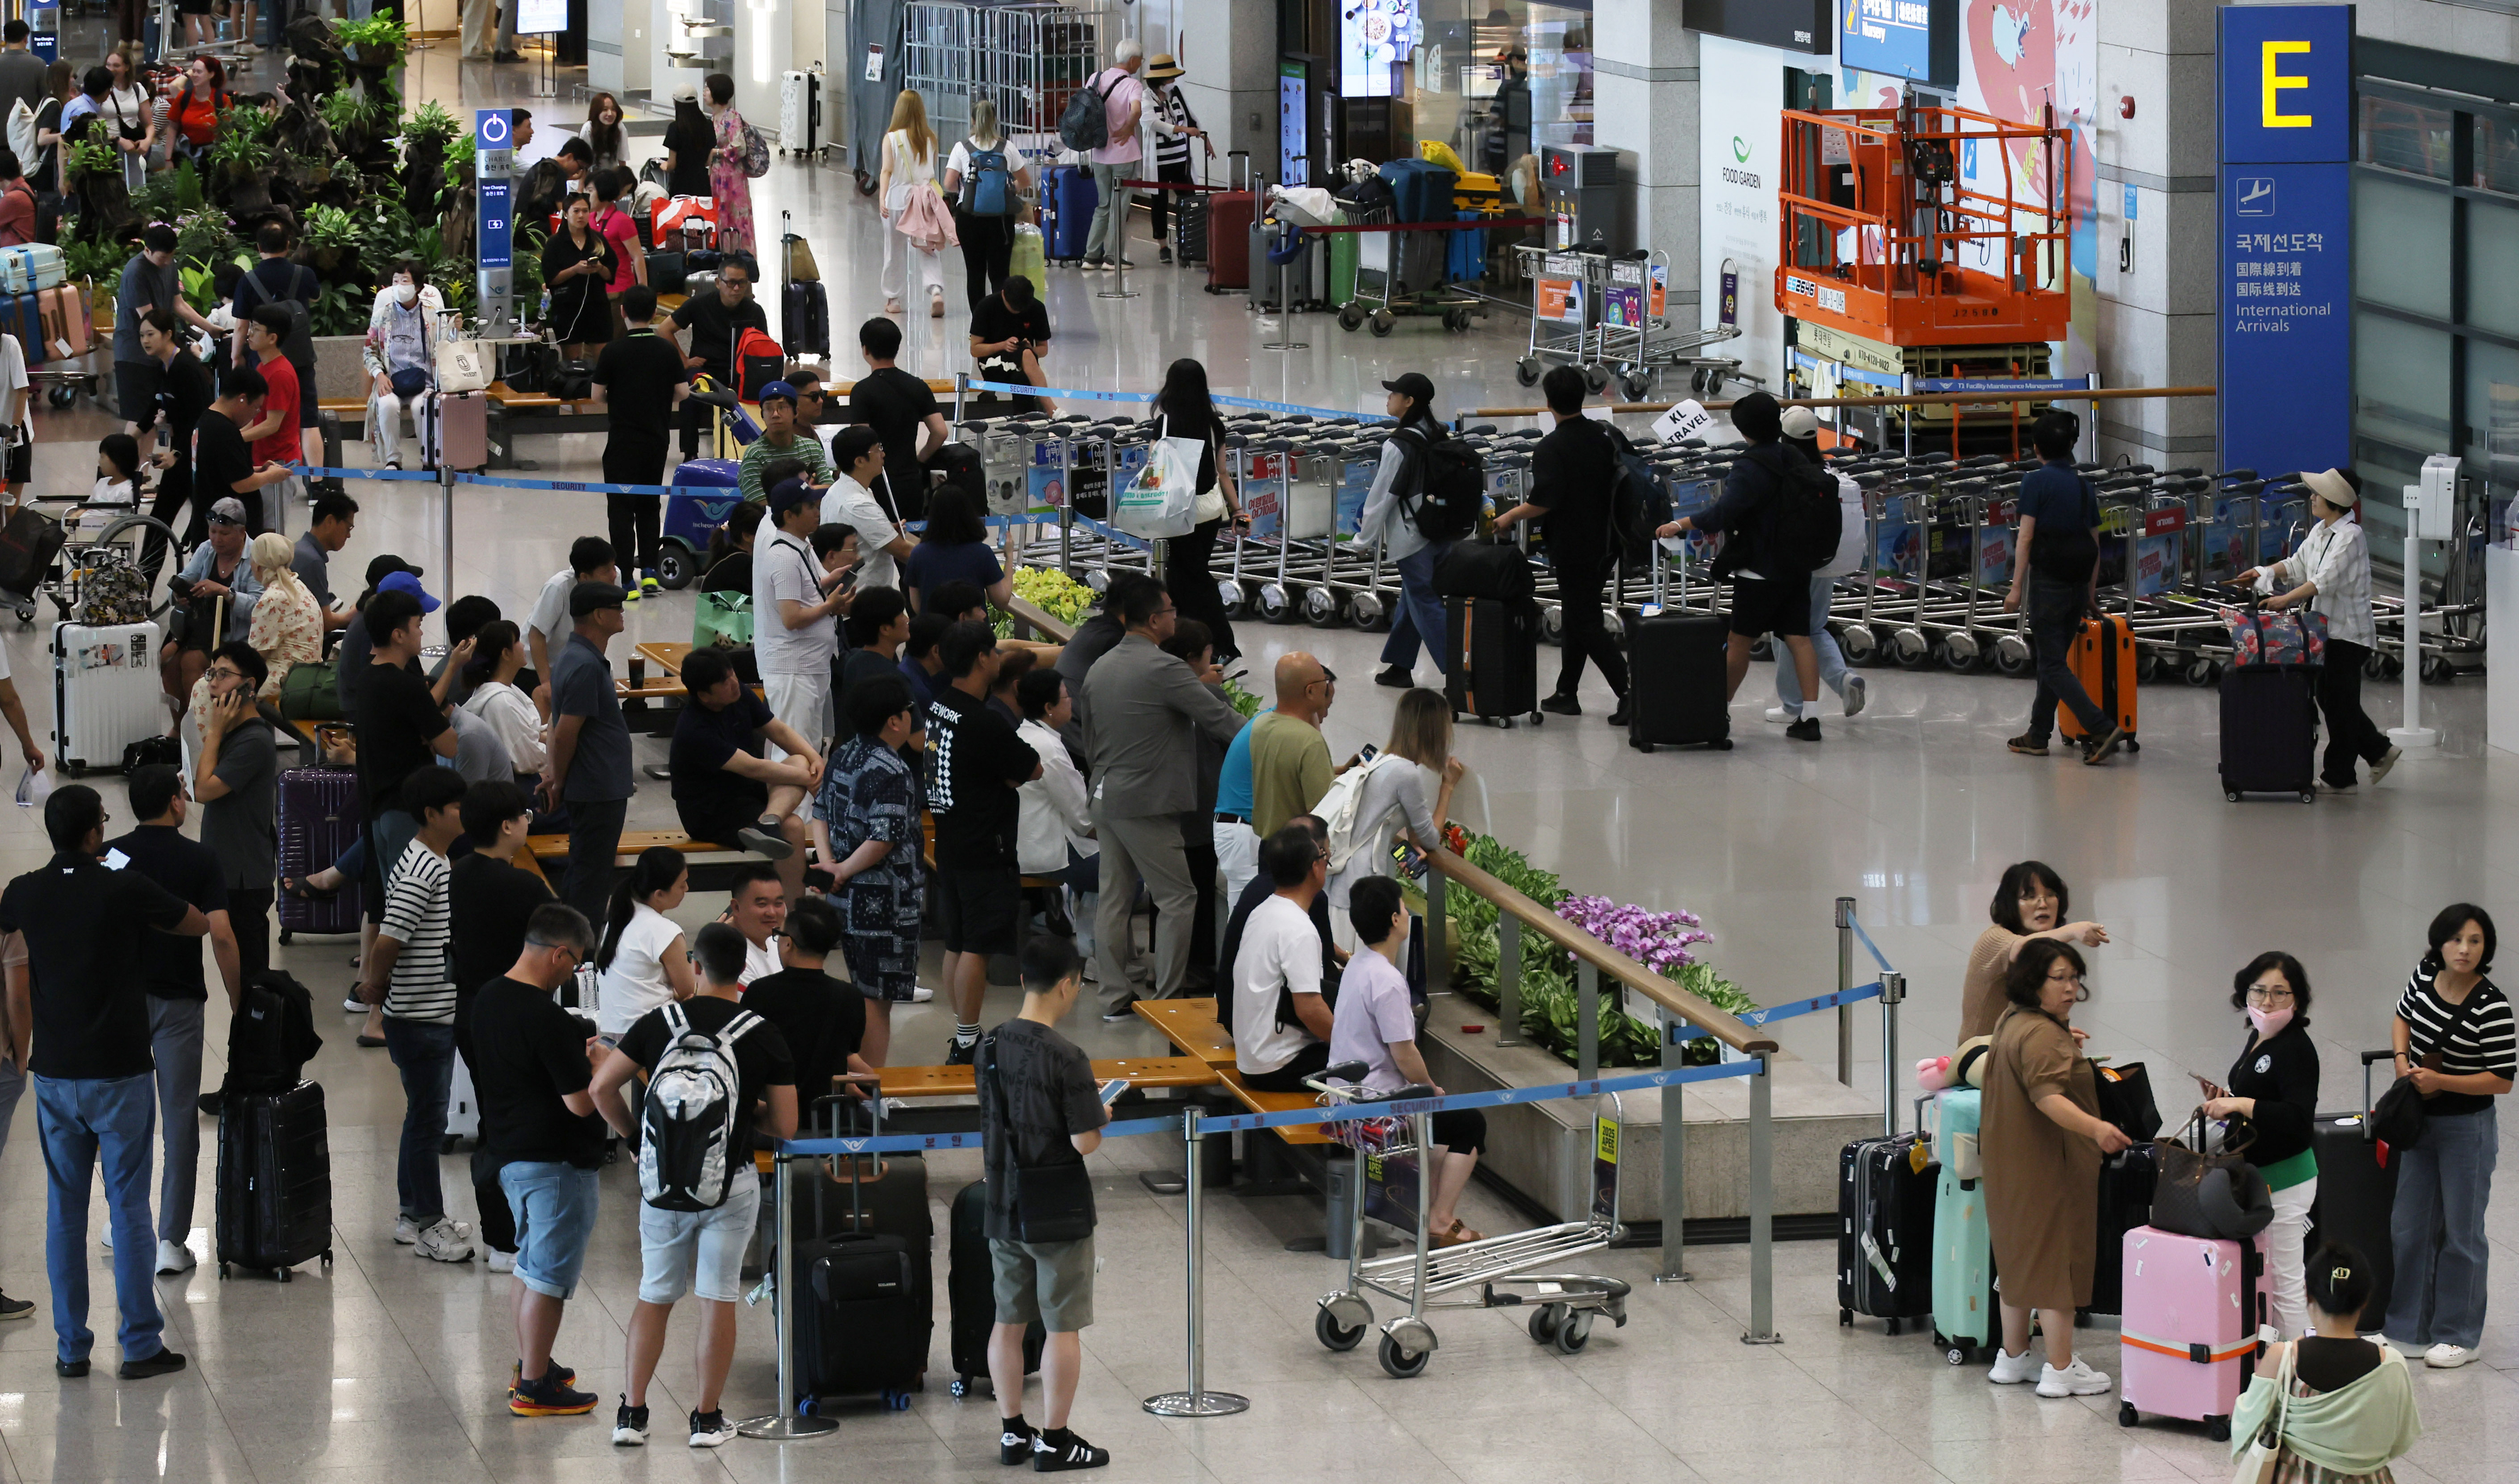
x=545, y=316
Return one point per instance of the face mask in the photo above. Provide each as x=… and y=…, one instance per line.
x=406, y=293
x=2269, y=1023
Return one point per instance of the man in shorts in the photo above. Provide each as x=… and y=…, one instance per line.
x=699, y=1252
x=976, y=767
x=1040, y=1110
x=724, y=788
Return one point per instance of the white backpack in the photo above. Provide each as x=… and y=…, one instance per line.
x=22, y=133
x=1338, y=809
x=687, y=1147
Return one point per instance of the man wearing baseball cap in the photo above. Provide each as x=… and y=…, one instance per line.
x=1801, y=432
x=1390, y=517
x=781, y=438
x=795, y=625
x=217, y=588
x=350, y=659
x=589, y=767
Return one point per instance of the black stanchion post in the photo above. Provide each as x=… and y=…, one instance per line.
x=1845, y=981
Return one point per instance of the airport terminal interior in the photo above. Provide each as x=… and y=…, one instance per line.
x=383, y=1365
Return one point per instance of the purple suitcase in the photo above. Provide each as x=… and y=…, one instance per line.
x=317, y=820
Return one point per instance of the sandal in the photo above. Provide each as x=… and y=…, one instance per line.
x=371, y=1041
x=1455, y=1235
x=295, y=886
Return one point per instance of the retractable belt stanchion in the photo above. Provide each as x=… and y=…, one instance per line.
x=1674, y=1160
x=1845, y=981
x=1893, y=994
x=1763, y=1206
x=1195, y=1400
x=785, y=1425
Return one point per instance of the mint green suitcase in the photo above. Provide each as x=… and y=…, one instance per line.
x=1964, y=1320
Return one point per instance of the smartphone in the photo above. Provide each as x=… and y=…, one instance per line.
x=1112, y=1089
x=1367, y=752
x=849, y=578
x=116, y=860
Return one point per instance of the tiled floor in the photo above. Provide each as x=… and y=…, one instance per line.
x=388, y=1366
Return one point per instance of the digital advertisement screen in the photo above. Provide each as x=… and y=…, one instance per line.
x=1375, y=37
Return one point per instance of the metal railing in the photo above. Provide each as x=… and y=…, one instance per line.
x=1032, y=620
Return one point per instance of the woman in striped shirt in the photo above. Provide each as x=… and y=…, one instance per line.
x=2330, y=572
x=2453, y=1038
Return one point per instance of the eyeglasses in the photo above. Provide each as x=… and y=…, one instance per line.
x=2267, y=996
x=225, y=672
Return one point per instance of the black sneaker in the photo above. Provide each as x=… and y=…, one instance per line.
x=1804, y=731
x=1562, y=705
x=2103, y=748
x=1014, y=1441
x=550, y=1397
x=1069, y=1451
x=763, y=839
x=1163, y=253
x=629, y=1426
x=553, y=1371
x=1397, y=677
x=70, y=1370
x=2028, y=746
x=711, y=1429
x=1618, y=718
x=163, y=1363
x=1123, y=1013
x=959, y=1052
x=16, y=1308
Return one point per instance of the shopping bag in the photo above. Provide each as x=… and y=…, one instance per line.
x=2274, y=639
x=463, y=366
x=722, y=618
x=1030, y=259
x=1162, y=499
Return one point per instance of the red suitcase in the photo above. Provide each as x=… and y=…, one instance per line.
x=318, y=819
x=1229, y=215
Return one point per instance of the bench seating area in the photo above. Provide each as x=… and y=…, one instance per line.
x=633, y=844
x=1191, y=1025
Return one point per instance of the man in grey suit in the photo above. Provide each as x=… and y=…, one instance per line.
x=1142, y=708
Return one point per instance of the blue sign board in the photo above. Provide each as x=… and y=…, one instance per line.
x=2285, y=225
x=1917, y=40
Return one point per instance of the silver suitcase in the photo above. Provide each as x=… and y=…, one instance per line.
x=106, y=693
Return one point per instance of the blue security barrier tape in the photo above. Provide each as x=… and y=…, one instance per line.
x=1830, y=1001
x=1873, y=948
x=1109, y=534
x=1283, y=409
x=1345, y=1112
x=317, y=471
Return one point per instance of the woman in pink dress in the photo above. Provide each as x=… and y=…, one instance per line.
x=727, y=180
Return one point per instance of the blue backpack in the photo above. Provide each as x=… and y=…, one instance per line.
x=990, y=190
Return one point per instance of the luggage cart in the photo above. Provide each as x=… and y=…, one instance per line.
x=1485, y=1274
x=1564, y=288
x=1382, y=292
x=1638, y=342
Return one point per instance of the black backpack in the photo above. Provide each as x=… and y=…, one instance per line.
x=299, y=345
x=1639, y=504
x=1452, y=485
x=1807, y=519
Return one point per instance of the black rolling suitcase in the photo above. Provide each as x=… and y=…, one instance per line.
x=2269, y=732
x=1476, y=568
x=2125, y=1183
x=866, y=1307
x=275, y=1196
x=2357, y=1194
x=1884, y=1232
x=1493, y=669
x=970, y=1293
x=1676, y=675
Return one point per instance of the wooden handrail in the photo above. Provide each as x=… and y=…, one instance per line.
x=1613, y=965
x=1915, y=399
x=1033, y=615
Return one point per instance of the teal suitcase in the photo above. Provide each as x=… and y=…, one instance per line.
x=1965, y=1321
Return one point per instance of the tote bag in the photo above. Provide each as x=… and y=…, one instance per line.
x=1163, y=499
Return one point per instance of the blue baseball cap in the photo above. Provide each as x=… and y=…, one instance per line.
x=407, y=581
x=778, y=389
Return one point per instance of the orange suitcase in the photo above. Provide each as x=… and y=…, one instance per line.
x=2104, y=662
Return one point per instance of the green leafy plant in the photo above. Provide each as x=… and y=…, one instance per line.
x=430, y=123
x=97, y=262
x=459, y=156
x=380, y=40
x=94, y=156
x=1243, y=701
x=241, y=148
x=346, y=109
x=340, y=309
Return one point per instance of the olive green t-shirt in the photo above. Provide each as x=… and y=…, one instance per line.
x=1290, y=770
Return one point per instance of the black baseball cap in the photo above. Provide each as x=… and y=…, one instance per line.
x=1413, y=384
x=790, y=492
x=386, y=566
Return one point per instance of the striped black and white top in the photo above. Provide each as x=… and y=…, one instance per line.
x=417, y=900
x=2485, y=1043
x=1171, y=147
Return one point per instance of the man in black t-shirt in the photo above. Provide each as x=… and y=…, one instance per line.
x=401, y=720
x=640, y=378
x=975, y=766
x=83, y=925
x=699, y=1252
x=715, y=322
x=1009, y=331
x=223, y=462
x=490, y=903
x=822, y=1019
x=1571, y=475
x=724, y=789
x=170, y=974
x=903, y=413
x=541, y=1137
x=1040, y=1109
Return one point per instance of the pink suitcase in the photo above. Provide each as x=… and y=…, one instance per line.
x=2191, y=1315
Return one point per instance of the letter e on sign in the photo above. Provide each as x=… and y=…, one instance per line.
x=2276, y=80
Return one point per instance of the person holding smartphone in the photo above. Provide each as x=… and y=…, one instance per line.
x=1009, y=331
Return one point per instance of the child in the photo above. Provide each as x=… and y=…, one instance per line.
x=120, y=473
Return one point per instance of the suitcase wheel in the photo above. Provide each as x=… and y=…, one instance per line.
x=284, y=936
x=1648, y=747
x=2231, y=794
x=2127, y=1416
x=1844, y=1318
x=1954, y=1353
x=895, y=1401
x=961, y=1385
x=282, y=1274
x=2307, y=797
x=223, y=1272
x=1894, y=1327
x=1535, y=718
x=2218, y=1428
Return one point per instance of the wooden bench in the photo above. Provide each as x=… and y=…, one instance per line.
x=633, y=844
x=1191, y=1025
x=958, y=1081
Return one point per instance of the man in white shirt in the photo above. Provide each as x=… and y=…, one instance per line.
x=856, y=459
x=757, y=909
x=1280, y=961
x=548, y=626
x=1055, y=833
x=795, y=634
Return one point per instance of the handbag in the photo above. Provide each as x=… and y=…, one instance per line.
x=2396, y=1121
x=2265, y=1449
x=408, y=381
x=2201, y=1194
x=1162, y=499
x=1052, y=1203
x=801, y=266
x=311, y=692
x=463, y=366
x=722, y=619
x=2126, y=1100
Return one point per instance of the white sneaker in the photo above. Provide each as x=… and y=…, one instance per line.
x=105, y=1239
x=2075, y=1380
x=1780, y=714
x=1857, y=693
x=921, y=994
x=446, y=1242
x=502, y=1262
x=174, y=1257
x=2013, y=1369
x=406, y=1231
x=351, y=1004
x=2379, y=769
x=2448, y=1357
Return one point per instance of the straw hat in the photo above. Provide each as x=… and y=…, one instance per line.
x=1161, y=68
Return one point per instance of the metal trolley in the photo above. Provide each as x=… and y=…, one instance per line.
x=1028, y=59
x=1482, y=1275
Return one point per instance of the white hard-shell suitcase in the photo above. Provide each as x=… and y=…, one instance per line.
x=106, y=693
x=800, y=111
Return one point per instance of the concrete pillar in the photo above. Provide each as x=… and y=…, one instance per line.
x=1230, y=53
x=2157, y=273
x=1644, y=102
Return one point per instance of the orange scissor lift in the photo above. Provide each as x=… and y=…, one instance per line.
x=1895, y=266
